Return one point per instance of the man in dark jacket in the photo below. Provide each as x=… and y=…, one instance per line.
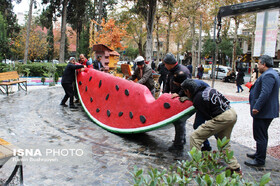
x=170, y=87
x=68, y=78
x=264, y=106
x=97, y=65
x=144, y=74
x=163, y=73
x=220, y=117
x=179, y=77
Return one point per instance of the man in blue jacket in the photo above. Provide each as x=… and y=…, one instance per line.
x=264, y=106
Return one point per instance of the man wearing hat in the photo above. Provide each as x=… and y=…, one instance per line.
x=170, y=87
x=144, y=74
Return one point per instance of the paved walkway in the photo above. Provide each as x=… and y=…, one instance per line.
x=36, y=121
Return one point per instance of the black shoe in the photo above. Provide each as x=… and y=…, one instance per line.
x=206, y=148
x=73, y=107
x=63, y=104
x=252, y=156
x=77, y=101
x=253, y=163
x=176, y=147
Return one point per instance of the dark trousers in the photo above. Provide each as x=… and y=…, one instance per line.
x=180, y=131
x=260, y=128
x=199, y=119
x=69, y=93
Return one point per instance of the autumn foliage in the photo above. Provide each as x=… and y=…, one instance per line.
x=37, y=43
x=110, y=35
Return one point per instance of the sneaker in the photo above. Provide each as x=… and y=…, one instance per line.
x=73, y=107
x=63, y=104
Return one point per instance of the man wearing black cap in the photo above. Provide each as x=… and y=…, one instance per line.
x=170, y=87
x=144, y=74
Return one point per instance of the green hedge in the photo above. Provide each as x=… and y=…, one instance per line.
x=34, y=69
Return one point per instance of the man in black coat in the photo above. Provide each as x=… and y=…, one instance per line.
x=97, y=65
x=68, y=78
x=170, y=87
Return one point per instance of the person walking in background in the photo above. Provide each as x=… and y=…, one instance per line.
x=153, y=65
x=97, y=65
x=170, y=87
x=264, y=107
x=239, y=80
x=200, y=71
x=144, y=75
x=68, y=78
x=190, y=67
x=220, y=117
x=162, y=70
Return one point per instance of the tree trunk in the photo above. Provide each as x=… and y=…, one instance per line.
x=193, y=44
x=63, y=32
x=157, y=38
x=28, y=32
x=234, y=55
x=150, y=26
x=199, y=43
x=100, y=13
x=140, y=43
x=168, y=32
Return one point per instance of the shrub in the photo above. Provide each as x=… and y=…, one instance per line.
x=204, y=168
x=43, y=80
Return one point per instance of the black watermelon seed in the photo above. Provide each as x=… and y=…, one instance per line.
x=107, y=96
x=131, y=115
x=80, y=83
x=120, y=114
x=108, y=113
x=142, y=119
x=97, y=110
x=166, y=105
x=90, y=78
x=117, y=88
x=91, y=100
x=126, y=92
x=100, y=83
x=86, y=88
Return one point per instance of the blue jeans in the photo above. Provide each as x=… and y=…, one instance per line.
x=239, y=87
x=199, y=119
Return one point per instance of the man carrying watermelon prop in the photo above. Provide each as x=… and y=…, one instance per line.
x=68, y=78
x=144, y=74
x=216, y=109
x=170, y=87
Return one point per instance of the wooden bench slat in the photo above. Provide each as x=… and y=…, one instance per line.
x=9, y=75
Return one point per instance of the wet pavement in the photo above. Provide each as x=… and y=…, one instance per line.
x=36, y=121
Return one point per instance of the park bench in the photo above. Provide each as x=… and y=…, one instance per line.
x=11, y=78
x=6, y=153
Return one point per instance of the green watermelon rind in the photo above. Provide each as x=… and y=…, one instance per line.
x=187, y=112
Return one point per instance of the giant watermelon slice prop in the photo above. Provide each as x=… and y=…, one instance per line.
x=122, y=106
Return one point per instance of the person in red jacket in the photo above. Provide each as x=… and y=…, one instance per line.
x=83, y=60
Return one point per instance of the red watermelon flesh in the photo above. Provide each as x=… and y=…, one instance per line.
x=123, y=106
